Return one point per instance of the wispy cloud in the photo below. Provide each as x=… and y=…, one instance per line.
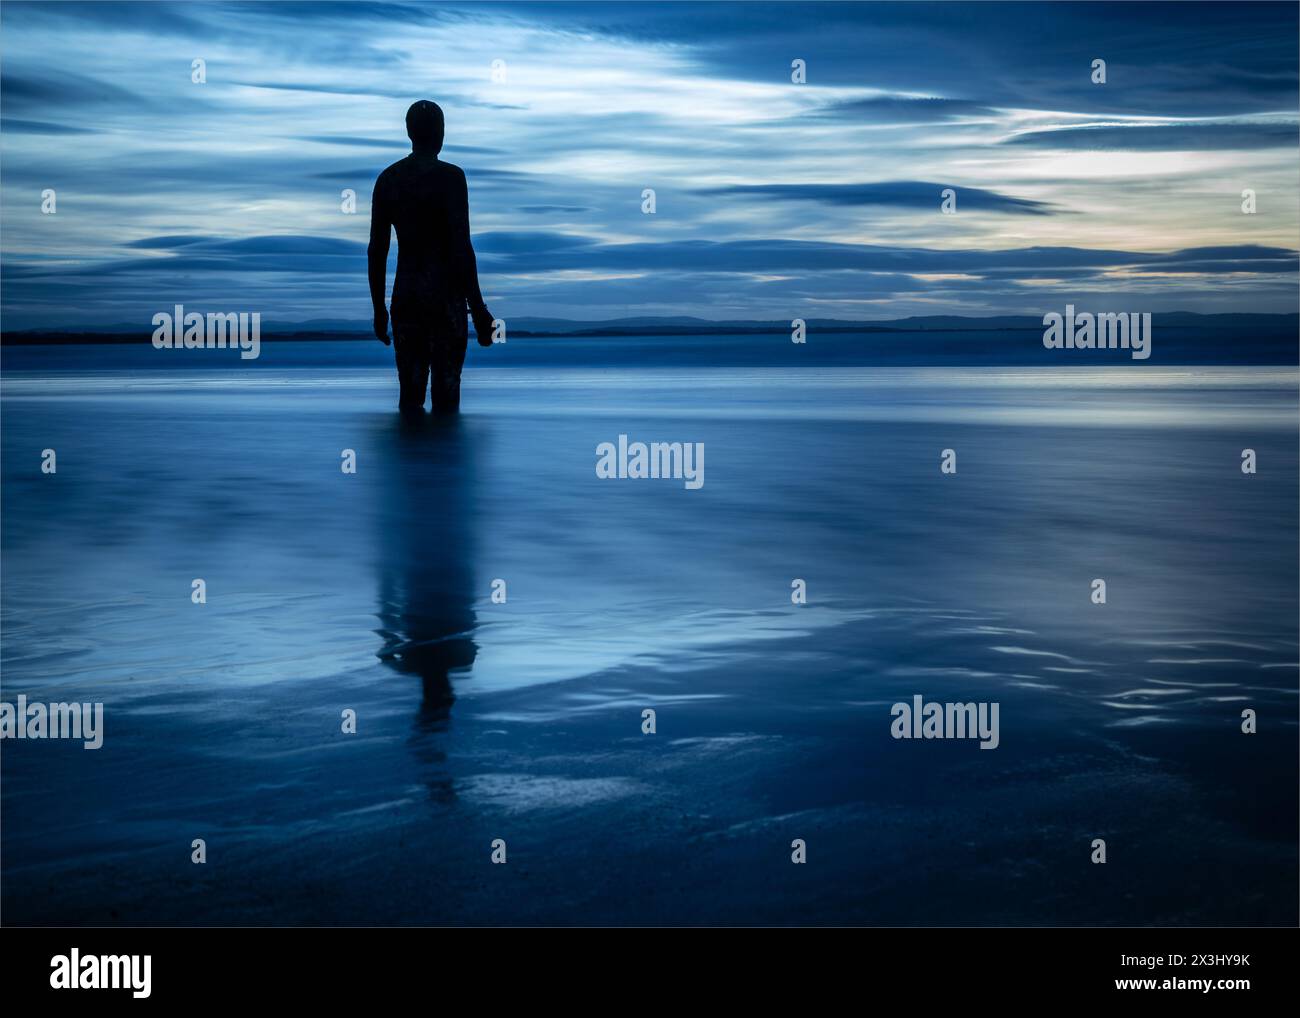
x=1201, y=136
x=774, y=199
x=903, y=194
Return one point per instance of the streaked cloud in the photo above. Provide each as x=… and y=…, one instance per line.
x=1184, y=137
x=774, y=200
x=903, y=194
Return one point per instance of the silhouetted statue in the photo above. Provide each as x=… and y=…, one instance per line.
x=427, y=201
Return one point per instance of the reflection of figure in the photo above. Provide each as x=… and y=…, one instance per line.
x=427, y=202
x=426, y=580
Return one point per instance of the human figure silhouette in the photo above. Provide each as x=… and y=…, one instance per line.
x=427, y=201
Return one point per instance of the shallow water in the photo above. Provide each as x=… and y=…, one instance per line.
x=478, y=720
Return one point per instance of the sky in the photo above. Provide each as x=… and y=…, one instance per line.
x=773, y=199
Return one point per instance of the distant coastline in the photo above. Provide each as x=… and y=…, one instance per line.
x=334, y=329
x=1181, y=338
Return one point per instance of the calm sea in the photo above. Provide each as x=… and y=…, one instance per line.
x=520, y=717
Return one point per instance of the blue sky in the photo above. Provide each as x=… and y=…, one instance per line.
x=775, y=200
